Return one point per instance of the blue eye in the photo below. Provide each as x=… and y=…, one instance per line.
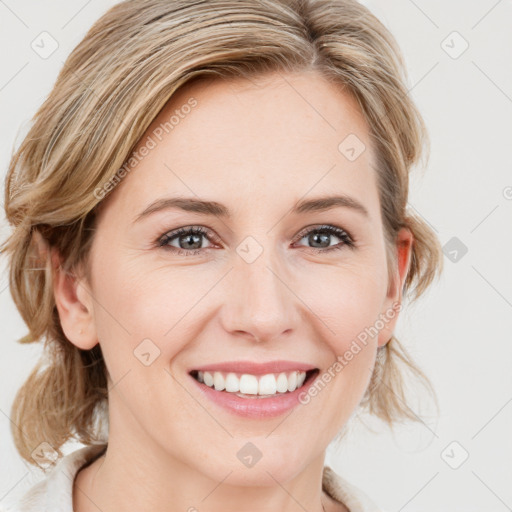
x=190, y=239
x=321, y=235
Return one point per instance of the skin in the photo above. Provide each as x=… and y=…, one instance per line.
x=257, y=147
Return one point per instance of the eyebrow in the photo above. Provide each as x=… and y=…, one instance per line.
x=192, y=204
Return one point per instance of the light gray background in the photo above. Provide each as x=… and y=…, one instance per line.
x=460, y=331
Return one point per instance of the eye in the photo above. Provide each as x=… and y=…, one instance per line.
x=320, y=236
x=189, y=240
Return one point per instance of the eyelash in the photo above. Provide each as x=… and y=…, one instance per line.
x=346, y=238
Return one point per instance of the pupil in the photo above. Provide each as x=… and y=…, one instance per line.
x=320, y=238
x=193, y=239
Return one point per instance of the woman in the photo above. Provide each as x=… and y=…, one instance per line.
x=211, y=236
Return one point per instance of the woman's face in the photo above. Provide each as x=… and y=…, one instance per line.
x=262, y=283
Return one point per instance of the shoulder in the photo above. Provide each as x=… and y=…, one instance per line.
x=346, y=493
x=55, y=491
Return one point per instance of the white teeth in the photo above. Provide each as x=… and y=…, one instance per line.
x=232, y=383
x=218, y=381
x=282, y=383
x=292, y=382
x=246, y=384
x=267, y=385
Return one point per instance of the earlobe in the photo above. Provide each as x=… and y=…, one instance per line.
x=74, y=305
x=393, y=302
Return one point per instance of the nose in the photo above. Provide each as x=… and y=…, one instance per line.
x=260, y=303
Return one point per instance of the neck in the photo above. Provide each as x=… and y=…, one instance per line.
x=115, y=481
x=141, y=472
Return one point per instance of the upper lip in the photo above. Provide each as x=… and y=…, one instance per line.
x=255, y=368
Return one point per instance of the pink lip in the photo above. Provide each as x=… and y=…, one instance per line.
x=255, y=368
x=256, y=408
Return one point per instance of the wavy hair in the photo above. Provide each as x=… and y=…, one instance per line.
x=110, y=89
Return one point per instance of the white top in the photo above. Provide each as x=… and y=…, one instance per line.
x=55, y=492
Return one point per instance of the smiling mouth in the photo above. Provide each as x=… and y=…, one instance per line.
x=255, y=386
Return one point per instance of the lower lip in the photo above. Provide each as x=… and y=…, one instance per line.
x=256, y=407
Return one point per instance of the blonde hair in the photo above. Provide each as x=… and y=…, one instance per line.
x=111, y=87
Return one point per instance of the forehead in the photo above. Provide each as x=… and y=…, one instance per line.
x=267, y=138
x=273, y=112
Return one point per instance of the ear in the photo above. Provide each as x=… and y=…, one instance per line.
x=393, y=303
x=74, y=303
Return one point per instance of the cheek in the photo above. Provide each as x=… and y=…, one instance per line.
x=349, y=303
x=345, y=303
x=139, y=307
x=347, y=298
